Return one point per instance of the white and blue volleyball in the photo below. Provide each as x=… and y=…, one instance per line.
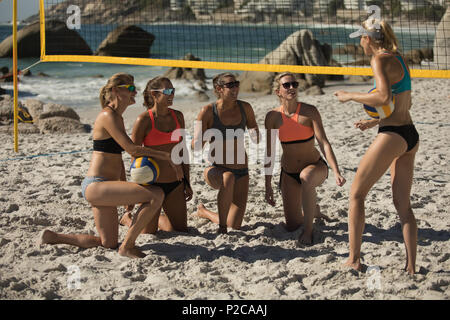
x=380, y=112
x=144, y=171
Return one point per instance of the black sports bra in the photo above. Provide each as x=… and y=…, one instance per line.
x=107, y=145
x=217, y=124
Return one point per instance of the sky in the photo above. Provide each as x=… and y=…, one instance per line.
x=25, y=8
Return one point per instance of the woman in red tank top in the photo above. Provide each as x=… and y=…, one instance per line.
x=302, y=167
x=156, y=128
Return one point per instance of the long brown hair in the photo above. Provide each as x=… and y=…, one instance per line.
x=155, y=83
x=115, y=80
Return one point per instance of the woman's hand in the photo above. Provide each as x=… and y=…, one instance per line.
x=366, y=124
x=269, y=196
x=188, y=193
x=343, y=96
x=340, y=180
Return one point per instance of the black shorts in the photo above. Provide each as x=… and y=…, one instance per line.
x=407, y=132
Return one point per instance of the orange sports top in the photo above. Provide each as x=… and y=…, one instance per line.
x=291, y=131
x=156, y=137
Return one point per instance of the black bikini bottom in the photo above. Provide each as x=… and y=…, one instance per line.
x=407, y=132
x=296, y=175
x=168, y=187
x=238, y=173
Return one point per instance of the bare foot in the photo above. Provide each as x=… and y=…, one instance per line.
x=132, y=253
x=48, y=237
x=306, y=238
x=201, y=211
x=356, y=265
x=126, y=219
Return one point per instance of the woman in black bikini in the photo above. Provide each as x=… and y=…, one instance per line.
x=302, y=167
x=229, y=170
x=105, y=187
x=394, y=147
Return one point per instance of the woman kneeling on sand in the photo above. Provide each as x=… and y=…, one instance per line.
x=302, y=167
x=228, y=173
x=105, y=186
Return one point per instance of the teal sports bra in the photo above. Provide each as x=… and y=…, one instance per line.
x=405, y=83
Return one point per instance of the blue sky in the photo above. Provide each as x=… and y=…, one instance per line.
x=25, y=9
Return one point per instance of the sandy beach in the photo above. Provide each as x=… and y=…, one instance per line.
x=262, y=261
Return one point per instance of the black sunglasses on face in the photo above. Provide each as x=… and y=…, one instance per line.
x=231, y=84
x=287, y=85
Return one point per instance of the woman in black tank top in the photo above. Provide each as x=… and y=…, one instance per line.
x=229, y=117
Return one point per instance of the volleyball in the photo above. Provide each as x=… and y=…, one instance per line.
x=380, y=112
x=144, y=171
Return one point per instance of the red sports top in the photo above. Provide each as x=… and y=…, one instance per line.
x=156, y=137
x=291, y=130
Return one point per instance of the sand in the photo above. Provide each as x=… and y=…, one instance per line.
x=260, y=261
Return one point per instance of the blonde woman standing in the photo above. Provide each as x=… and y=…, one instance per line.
x=394, y=147
x=105, y=187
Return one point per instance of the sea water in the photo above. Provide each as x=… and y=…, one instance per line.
x=77, y=84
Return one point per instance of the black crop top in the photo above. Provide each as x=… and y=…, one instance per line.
x=217, y=124
x=107, y=145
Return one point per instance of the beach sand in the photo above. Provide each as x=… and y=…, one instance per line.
x=260, y=261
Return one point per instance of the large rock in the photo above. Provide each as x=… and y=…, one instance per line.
x=59, y=40
x=186, y=73
x=441, y=47
x=127, y=41
x=47, y=118
x=61, y=125
x=300, y=48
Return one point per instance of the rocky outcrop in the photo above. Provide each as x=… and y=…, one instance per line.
x=441, y=47
x=192, y=74
x=47, y=118
x=127, y=41
x=61, y=40
x=186, y=73
x=300, y=48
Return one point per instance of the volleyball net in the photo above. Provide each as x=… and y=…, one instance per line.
x=247, y=35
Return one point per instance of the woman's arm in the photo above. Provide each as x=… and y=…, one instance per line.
x=381, y=96
x=325, y=145
x=202, y=123
x=269, y=160
x=252, y=126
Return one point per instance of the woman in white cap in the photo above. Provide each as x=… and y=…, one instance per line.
x=394, y=147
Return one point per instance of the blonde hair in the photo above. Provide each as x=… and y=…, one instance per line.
x=388, y=39
x=152, y=84
x=219, y=81
x=115, y=80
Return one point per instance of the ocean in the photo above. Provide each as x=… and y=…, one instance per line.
x=77, y=84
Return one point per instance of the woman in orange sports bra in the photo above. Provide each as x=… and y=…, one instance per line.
x=154, y=128
x=395, y=145
x=302, y=167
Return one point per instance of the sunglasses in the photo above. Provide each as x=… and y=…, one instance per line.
x=287, y=85
x=167, y=92
x=232, y=84
x=130, y=87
